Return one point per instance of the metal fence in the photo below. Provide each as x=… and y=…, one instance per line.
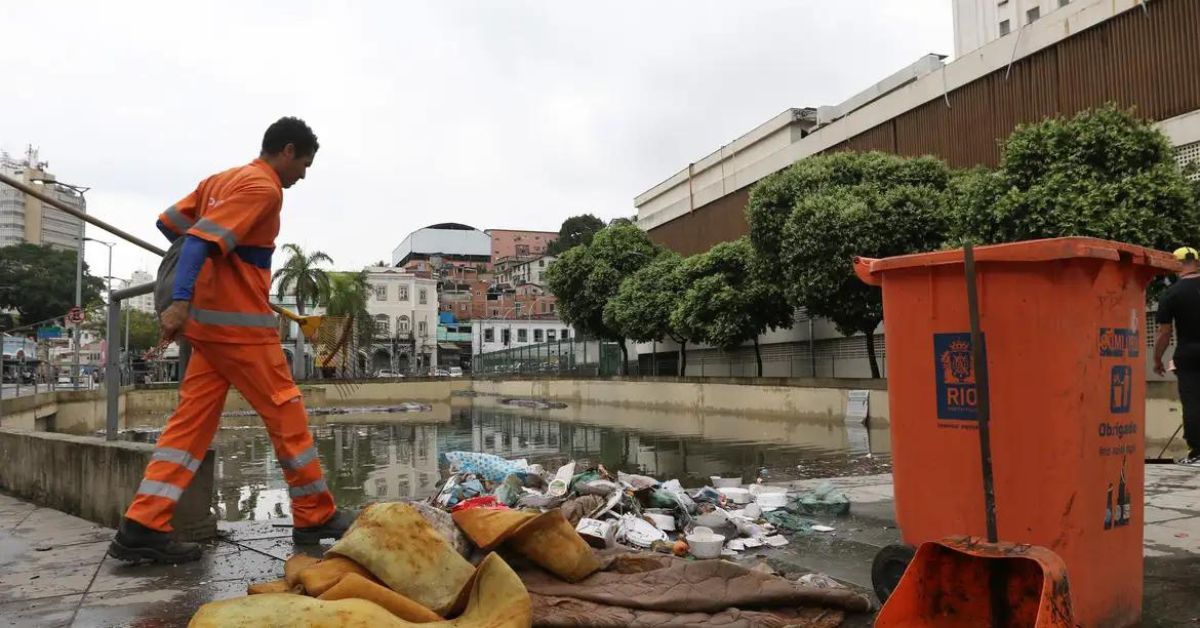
x=574, y=357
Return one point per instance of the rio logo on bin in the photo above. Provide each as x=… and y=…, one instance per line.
x=957, y=397
x=1118, y=343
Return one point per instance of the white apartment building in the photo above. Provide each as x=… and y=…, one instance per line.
x=26, y=219
x=495, y=334
x=405, y=310
x=145, y=302
x=527, y=271
x=978, y=22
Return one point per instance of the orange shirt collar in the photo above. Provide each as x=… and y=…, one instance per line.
x=265, y=167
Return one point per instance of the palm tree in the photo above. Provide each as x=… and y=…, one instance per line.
x=301, y=275
x=348, y=296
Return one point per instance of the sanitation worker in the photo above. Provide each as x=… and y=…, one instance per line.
x=219, y=303
x=1179, y=315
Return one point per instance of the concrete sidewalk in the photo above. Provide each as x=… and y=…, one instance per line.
x=54, y=572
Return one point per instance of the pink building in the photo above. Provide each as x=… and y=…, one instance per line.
x=508, y=243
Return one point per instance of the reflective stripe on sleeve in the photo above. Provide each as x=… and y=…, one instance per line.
x=211, y=228
x=177, y=219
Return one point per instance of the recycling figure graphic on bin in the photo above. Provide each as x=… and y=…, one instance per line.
x=1117, y=514
x=957, y=398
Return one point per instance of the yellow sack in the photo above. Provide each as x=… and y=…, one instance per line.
x=400, y=548
x=547, y=539
x=275, y=586
x=355, y=586
x=498, y=599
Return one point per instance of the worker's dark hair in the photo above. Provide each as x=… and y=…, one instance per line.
x=290, y=130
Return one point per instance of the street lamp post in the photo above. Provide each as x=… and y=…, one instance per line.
x=78, y=272
x=79, y=290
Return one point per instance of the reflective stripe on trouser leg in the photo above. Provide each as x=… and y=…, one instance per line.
x=262, y=375
x=181, y=446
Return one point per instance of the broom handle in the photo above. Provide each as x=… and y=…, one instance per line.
x=1171, y=440
x=92, y=220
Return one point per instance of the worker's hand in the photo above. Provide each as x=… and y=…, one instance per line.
x=171, y=321
x=1158, y=367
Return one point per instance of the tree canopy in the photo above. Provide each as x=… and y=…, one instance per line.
x=725, y=302
x=810, y=221
x=38, y=281
x=645, y=301
x=1103, y=173
x=586, y=277
x=302, y=275
x=575, y=230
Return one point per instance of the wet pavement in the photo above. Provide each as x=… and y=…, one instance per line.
x=53, y=571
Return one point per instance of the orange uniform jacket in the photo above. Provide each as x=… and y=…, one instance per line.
x=238, y=210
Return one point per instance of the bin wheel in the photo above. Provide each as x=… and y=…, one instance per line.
x=888, y=567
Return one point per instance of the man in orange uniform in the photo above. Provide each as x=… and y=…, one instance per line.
x=220, y=303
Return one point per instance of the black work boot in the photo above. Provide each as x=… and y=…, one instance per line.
x=334, y=528
x=136, y=543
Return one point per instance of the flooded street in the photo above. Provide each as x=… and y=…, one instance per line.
x=373, y=456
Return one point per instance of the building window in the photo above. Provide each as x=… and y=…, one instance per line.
x=381, y=326
x=566, y=333
x=541, y=263
x=495, y=312
x=401, y=293
x=489, y=335
x=537, y=335
x=1005, y=28
x=402, y=324
x=553, y=306
x=1063, y=3
x=422, y=296
x=506, y=336
x=1032, y=15
x=422, y=329
x=551, y=335
x=522, y=335
x=381, y=293
x=517, y=307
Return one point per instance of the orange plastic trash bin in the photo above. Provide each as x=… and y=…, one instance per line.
x=1063, y=324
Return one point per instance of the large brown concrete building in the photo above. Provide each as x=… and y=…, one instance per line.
x=1062, y=58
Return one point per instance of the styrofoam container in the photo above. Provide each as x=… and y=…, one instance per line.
x=736, y=494
x=771, y=501
x=598, y=534
x=702, y=543
x=720, y=482
x=662, y=522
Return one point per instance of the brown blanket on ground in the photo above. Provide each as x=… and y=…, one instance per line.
x=654, y=590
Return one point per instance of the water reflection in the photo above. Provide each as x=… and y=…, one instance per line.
x=379, y=461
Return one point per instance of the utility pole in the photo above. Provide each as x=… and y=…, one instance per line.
x=78, y=304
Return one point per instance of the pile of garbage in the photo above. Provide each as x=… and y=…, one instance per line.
x=506, y=544
x=640, y=512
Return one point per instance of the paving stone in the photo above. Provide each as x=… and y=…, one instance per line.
x=25, y=585
x=284, y=549
x=1177, y=500
x=44, y=612
x=17, y=555
x=153, y=606
x=1158, y=515
x=248, y=530
x=220, y=563
x=45, y=526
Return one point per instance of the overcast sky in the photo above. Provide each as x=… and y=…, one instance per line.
x=496, y=113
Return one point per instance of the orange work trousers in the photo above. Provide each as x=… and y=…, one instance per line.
x=261, y=374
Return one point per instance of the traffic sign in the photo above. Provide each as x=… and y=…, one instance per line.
x=46, y=333
x=75, y=316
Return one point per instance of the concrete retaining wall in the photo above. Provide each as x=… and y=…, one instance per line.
x=94, y=479
x=800, y=398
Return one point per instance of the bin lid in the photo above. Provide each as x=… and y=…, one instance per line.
x=1046, y=250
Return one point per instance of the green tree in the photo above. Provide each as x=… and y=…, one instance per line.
x=587, y=276
x=642, y=307
x=726, y=302
x=38, y=281
x=302, y=275
x=1103, y=173
x=348, y=297
x=808, y=222
x=575, y=230
x=143, y=330
x=773, y=200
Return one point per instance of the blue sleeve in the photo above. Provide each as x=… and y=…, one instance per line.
x=166, y=231
x=191, y=259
